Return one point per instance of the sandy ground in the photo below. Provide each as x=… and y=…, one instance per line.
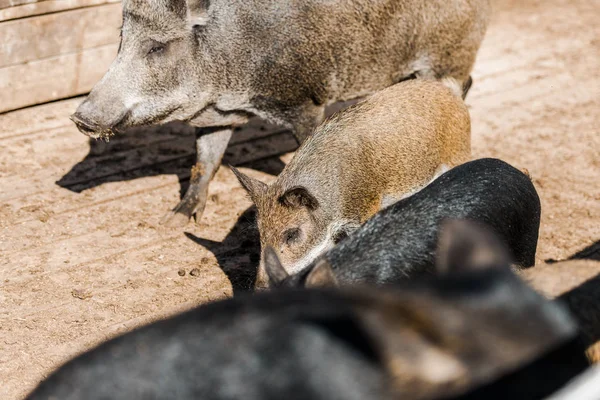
x=82, y=254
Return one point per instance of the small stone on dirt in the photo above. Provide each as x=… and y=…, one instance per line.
x=195, y=272
x=81, y=294
x=43, y=216
x=181, y=272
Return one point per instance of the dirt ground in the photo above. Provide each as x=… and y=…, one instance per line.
x=82, y=254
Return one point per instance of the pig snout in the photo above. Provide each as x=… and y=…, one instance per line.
x=93, y=120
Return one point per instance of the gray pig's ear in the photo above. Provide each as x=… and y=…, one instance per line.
x=198, y=12
x=321, y=275
x=255, y=188
x=299, y=196
x=178, y=7
x=275, y=271
x=465, y=245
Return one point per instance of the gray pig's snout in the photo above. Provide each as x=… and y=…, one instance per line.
x=83, y=124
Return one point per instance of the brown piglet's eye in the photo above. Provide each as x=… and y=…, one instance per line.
x=291, y=235
x=339, y=236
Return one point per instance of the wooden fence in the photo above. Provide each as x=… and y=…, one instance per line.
x=54, y=49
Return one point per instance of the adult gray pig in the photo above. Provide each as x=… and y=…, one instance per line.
x=215, y=63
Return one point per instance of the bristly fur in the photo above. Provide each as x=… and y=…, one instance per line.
x=576, y=283
x=428, y=338
x=400, y=241
x=382, y=149
x=216, y=63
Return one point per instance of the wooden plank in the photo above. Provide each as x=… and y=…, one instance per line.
x=54, y=78
x=12, y=3
x=41, y=118
x=45, y=36
x=46, y=7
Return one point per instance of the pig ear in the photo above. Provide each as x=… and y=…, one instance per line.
x=178, y=7
x=277, y=274
x=198, y=12
x=321, y=275
x=255, y=188
x=465, y=245
x=299, y=196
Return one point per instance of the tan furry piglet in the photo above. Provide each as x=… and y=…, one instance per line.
x=360, y=160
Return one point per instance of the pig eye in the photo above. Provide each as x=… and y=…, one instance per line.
x=157, y=48
x=291, y=236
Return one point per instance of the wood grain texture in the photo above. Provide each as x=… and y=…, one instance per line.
x=53, y=78
x=13, y=3
x=45, y=36
x=46, y=7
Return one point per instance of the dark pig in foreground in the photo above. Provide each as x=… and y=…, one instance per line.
x=399, y=242
x=215, y=63
x=577, y=284
x=429, y=338
x=363, y=158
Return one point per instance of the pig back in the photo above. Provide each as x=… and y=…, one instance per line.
x=400, y=241
x=389, y=145
x=290, y=51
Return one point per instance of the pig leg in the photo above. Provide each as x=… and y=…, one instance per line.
x=210, y=147
x=466, y=86
x=306, y=120
x=429, y=73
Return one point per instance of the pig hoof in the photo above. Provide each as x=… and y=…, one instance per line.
x=174, y=219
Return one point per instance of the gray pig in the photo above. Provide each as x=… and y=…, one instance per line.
x=365, y=157
x=427, y=339
x=214, y=63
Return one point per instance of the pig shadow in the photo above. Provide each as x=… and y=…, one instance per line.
x=170, y=149
x=159, y=150
x=238, y=254
x=591, y=252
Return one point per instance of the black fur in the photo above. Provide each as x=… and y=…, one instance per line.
x=322, y=344
x=264, y=347
x=400, y=241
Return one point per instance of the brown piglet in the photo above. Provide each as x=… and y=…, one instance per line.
x=357, y=162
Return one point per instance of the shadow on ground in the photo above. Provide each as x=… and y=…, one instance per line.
x=238, y=254
x=170, y=150
x=591, y=252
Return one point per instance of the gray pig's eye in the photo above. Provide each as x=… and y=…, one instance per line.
x=157, y=48
x=291, y=236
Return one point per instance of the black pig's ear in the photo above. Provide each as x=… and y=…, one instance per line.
x=321, y=275
x=275, y=271
x=465, y=245
x=198, y=12
x=299, y=196
x=255, y=188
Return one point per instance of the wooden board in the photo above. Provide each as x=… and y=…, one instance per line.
x=53, y=78
x=45, y=36
x=45, y=7
x=12, y=3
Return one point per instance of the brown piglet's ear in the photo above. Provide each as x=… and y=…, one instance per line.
x=255, y=188
x=321, y=275
x=465, y=245
x=299, y=196
x=275, y=271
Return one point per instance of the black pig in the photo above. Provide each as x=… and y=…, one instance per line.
x=399, y=242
